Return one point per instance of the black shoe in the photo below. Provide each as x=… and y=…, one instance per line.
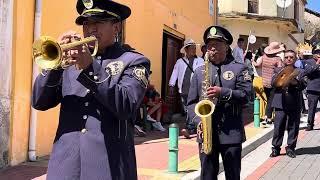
x=275, y=153
x=269, y=121
x=291, y=153
x=309, y=128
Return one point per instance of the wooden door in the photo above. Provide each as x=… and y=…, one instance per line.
x=170, y=53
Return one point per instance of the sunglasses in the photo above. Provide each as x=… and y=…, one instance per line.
x=287, y=57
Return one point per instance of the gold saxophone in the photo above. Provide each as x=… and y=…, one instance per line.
x=205, y=108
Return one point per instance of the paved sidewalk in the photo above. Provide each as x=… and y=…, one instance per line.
x=152, y=155
x=258, y=165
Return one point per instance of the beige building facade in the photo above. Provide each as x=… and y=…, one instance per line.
x=265, y=20
x=156, y=28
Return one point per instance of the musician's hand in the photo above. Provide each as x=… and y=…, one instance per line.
x=68, y=37
x=293, y=82
x=80, y=55
x=214, y=91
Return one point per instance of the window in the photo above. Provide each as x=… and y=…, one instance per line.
x=253, y=6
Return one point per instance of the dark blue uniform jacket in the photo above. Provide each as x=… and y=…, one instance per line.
x=110, y=91
x=236, y=86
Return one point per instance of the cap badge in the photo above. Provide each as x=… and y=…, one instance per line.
x=213, y=31
x=88, y=3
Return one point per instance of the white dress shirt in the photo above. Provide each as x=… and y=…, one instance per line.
x=238, y=54
x=179, y=70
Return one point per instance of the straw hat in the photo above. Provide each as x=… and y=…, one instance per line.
x=274, y=48
x=188, y=42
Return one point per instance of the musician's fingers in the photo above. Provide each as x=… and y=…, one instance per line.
x=72, y=61
x=85, y=48
x=67, y=37
x=210, y=88
x=75, y=56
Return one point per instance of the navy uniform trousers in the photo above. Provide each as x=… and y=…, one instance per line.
x=231, y=157
x=283, y=119
x=312, y=72
x=313, y=99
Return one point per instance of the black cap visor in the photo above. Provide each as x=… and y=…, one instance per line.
x=96, y=15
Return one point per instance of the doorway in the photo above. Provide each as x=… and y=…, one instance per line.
x=171, y=46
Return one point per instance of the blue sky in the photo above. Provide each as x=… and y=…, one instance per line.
x=314, y=5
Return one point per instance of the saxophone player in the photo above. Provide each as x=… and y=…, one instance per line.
x=230, y=86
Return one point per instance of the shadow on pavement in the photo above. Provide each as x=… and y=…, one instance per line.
x=22, y=172
x=308, y=150
x=180, y=120
x=188, y=171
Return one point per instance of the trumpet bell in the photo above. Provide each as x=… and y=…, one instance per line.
x=47, y=53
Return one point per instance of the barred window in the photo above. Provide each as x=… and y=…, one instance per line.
x=253, y=6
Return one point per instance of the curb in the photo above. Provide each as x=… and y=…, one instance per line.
x=247, y=147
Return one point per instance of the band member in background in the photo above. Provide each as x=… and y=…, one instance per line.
x=312, y=72
x=287, y=106
x=99, y=98
x=238, y=52
x=183, y=71
x=231, y=87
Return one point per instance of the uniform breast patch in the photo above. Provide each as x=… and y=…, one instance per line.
x=115, y=68
x=246, y=76
x=228, y=75
x=140, y=74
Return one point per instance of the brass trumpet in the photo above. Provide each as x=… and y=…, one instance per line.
x=48, y=53
x=205, y=108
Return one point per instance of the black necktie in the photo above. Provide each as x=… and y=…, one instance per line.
x=186, y=78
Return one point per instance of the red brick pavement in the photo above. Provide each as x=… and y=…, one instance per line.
x=266, y=166
x=22, y=172
x=150, y=154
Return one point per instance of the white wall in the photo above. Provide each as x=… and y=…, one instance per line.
x=6, y=11
x=273, y=31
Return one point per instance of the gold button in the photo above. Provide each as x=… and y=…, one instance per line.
x=95, y=77
x=84, y=130
x=88, y=90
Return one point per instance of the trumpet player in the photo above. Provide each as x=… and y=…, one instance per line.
x=98, y=99
x=229, y=89
x=287, y=106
